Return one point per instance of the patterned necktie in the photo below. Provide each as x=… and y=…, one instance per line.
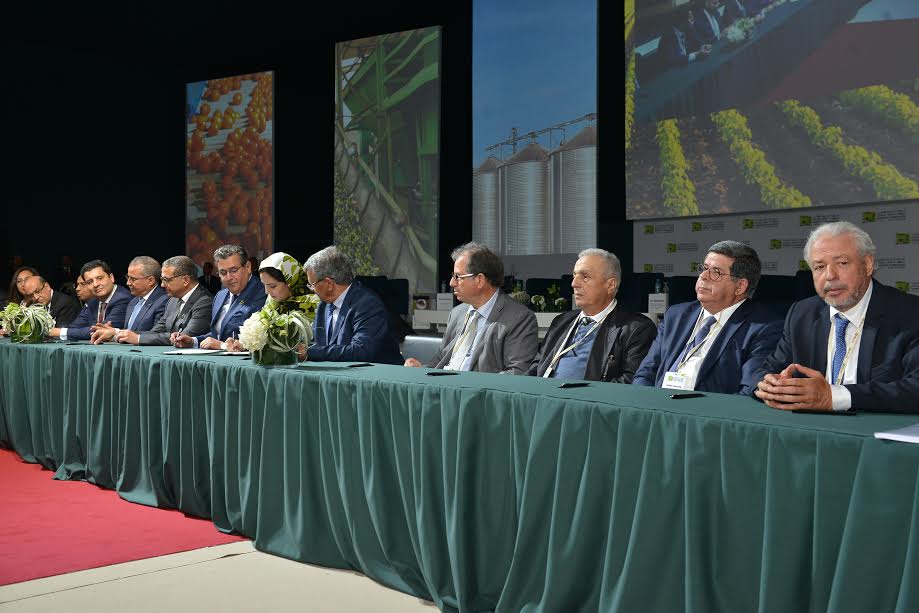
x=464, y=343
x=101, y=316
x=700, y=337
x=329, y=322
x=581, y=331
x=134, y=313
x=840, y=353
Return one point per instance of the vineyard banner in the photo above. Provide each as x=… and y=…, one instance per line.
x=677, y=246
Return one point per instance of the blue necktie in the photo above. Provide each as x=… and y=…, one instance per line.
x=840, y=353
x=137, y=308
x=328, y=324
x=698, y=340
x=581, y=331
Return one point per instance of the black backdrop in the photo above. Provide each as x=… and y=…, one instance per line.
x=92, y=161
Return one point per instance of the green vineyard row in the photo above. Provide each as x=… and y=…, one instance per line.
x=629, y=101
x=734, y=131
x=679, y=192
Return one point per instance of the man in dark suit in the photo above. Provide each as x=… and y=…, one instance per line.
x=489, y=331
x=148, y=304
x=351, y=324
x=210, y=282
x=63, y=308
x=679, y=45
x=718, y=343
x=188, y=308
x=600, y=342
x=853, y=346
x=108, y=305
x=242, y=295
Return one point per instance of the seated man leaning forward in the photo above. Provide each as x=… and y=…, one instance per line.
x=853, y=346
x=601, y=342
x=145, y=308
x=242, y=295
x=489, y=332
x=187, y=310
x=63, y=307
x=718, y=343
x=351, y=322
x=108, y=306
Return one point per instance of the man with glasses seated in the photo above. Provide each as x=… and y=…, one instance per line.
x=187, y=310
x=242, y=295
x=489, y=332
x=108, y=305
x=351, y=322
x=63, y=308
x=718, y=343
x=148, y=304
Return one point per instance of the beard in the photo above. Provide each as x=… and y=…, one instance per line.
x=844, y=302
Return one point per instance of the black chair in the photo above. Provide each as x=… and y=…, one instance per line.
x=804, y=285
x=634, y=290
x=681, y=288
x=776, y=292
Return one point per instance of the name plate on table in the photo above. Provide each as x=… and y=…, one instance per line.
x=444, y=301
x=657, y=303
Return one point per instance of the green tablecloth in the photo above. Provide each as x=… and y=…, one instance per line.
x=487, y=492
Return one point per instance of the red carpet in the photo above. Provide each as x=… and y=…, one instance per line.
x=53, y=527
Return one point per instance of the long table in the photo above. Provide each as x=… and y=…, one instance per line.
x=486, y=492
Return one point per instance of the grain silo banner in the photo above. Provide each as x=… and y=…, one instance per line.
x=534, y=127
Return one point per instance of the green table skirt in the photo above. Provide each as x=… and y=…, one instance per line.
x=487, y=492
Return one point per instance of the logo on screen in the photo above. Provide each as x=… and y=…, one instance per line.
x=648, y=267
x=671, y=247
x=775, y=244
x=693, y=267
x=802, y=265
x=903, y=286
x=649, y=229
x=696, y=226
x=804, y=220
x=869, y=216
x=747, y=224
x=902, y=238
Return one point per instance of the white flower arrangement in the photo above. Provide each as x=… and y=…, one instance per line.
x=26, y=323
x=740, y=30
x=539, y=302
x=270, y=329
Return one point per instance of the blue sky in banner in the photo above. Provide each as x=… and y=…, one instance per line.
x=534, y=64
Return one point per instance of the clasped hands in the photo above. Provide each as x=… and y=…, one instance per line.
x=105, y=332
x=785, y=391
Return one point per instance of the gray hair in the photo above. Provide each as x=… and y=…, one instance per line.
x=227, y=251
x=331, y=263
x=481, y=259
x=183, y=265
x=613, y=266
x=863, y=241
x=746, y=262
x=149, y=266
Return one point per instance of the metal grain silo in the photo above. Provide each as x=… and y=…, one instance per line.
x=485, y=221
x=523, y=202
x=573, y=193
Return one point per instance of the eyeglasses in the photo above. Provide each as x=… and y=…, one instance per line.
x=228, y=271
x=37, y=293
x=457, y=277
x=171, y=279
x=312, y=286
x=22, y=280
x=130, y=279
x=714, y=274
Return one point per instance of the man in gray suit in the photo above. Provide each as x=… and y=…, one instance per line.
x=188, y=310
x=490, y=332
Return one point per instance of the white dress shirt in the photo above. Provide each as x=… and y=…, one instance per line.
x=842, y=398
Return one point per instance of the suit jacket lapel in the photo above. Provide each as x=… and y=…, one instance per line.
x=492, y=317
x=731, y=327
x=342, y=312
x=873, y=320
x=821, y=327
x=607, y=337
x=680, y=337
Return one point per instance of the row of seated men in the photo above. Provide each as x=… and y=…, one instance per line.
x=694, y=30
x=853, y=346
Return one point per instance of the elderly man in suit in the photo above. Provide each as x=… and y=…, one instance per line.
x=187, y=310
x=678, y=44
x=351, y=322
x=718, y=343
x=242, y=295
x=489, y=332
x=854, y=346
x=108, y=306
x=63, y=307
x=148, y=304
x=600, y=342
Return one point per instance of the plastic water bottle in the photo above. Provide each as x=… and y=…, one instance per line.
x=657, y=286
x=666, y=288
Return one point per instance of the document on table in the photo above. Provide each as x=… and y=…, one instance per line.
x=192, y=351
x=909, y=434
